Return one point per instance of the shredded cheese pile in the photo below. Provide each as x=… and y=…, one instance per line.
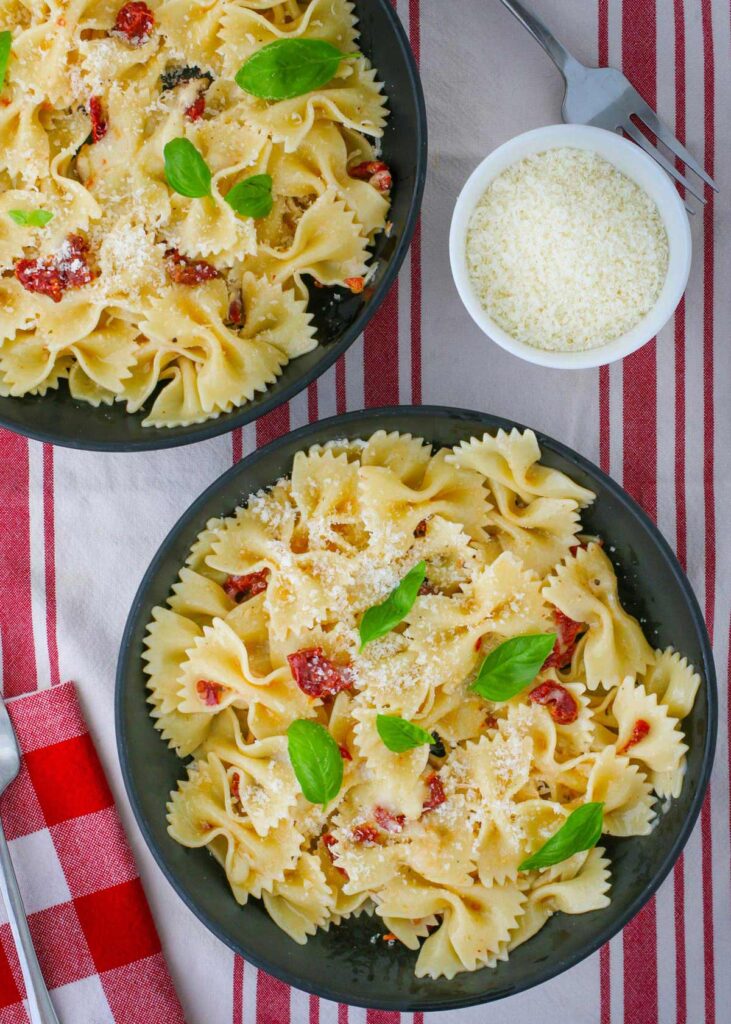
x=565, y=252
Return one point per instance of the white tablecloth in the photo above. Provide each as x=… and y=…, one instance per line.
x=84, y=526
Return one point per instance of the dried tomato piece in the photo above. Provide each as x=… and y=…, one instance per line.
x=135, y=21
x=558, y=700
x=388, y=822
x=183, y=270
x=437, y=796
x=356, y=284
x=491, y=722
x=420, y=530
x=40, y=276
x=345, y=753
x=99, y=125
x=478, y=644
x=568, y=632
x=197, y=108
x=366, y=834
x=316, y=675
x=375, y=172
x=426, y=589
x=328, y=841
x=236, y=313
x=53, y=275
x=240, y=588
x=640, y=729
x=209, y=693
x=234, y=786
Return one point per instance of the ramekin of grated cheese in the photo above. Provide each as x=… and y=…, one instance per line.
x=570, y=247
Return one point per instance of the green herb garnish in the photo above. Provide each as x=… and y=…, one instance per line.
x=316, y=760
x=580, y=831
x=290, y=67
x=30, y=218
x=186, y=171
x=6, y=40
x=399, y=735
x=512, y=666
x=252, y=197
x=382, y=618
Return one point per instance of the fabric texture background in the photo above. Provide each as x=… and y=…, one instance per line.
x=80, y=528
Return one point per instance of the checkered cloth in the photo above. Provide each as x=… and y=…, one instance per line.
x=91, y=926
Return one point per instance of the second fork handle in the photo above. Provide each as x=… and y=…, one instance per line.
x=40, y=1007
x=558, y=53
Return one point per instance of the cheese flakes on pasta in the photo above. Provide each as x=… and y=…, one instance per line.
x=212, y=304
x=434, y=836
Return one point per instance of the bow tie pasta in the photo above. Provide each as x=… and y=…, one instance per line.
x=265, y=628
x=116, y=275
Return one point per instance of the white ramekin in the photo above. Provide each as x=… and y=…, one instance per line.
x=630, y=160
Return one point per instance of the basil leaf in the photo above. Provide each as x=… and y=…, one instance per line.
x=381, y=618
x=316, y=760
x=186, y=171
x=580, y=831
x=6, y=39
x=30, y=218
x=252, y=197
x=289, y=67
x=513, y=665
x=399, y=735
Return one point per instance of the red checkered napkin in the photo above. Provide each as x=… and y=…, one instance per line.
x=91, y=926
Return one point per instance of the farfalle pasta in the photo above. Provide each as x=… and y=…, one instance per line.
x=182, y=305
x=265, y=629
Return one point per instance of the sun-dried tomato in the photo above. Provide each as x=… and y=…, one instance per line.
x=356, y=284
x=183, y=270
x=640, y=729
x=437, y=796
x=328, y=841
x=375, y=172
x=558, y=700
x=235, y=313
x=478, y=644
x=366, y=834
x=209, y=693
x=426, y=589
x=567, y=635
x=99, y=125
x=234, y=786
x=345, y=753
x=197, y=108
x=388, y=822
x=316, y=675
x=53, y=275
x=491, y=722
x=420, y=530
x=135, y=21
x=240, y=588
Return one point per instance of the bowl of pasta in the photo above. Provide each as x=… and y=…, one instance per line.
x=415, y=708
x=203, y=205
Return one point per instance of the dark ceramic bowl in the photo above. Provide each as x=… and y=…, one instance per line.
x=342, y=964
x=339, y=316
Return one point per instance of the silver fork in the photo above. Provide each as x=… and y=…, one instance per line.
x=605, y=98
x=40, y=1007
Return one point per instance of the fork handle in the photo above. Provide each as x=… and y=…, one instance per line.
x=558, y=53
x=40, y=1007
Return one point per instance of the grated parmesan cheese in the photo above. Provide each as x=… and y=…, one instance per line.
x=565, y=252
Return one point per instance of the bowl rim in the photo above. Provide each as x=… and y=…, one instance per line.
x=226, y=422
x=387, y=418
x=656, y=183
